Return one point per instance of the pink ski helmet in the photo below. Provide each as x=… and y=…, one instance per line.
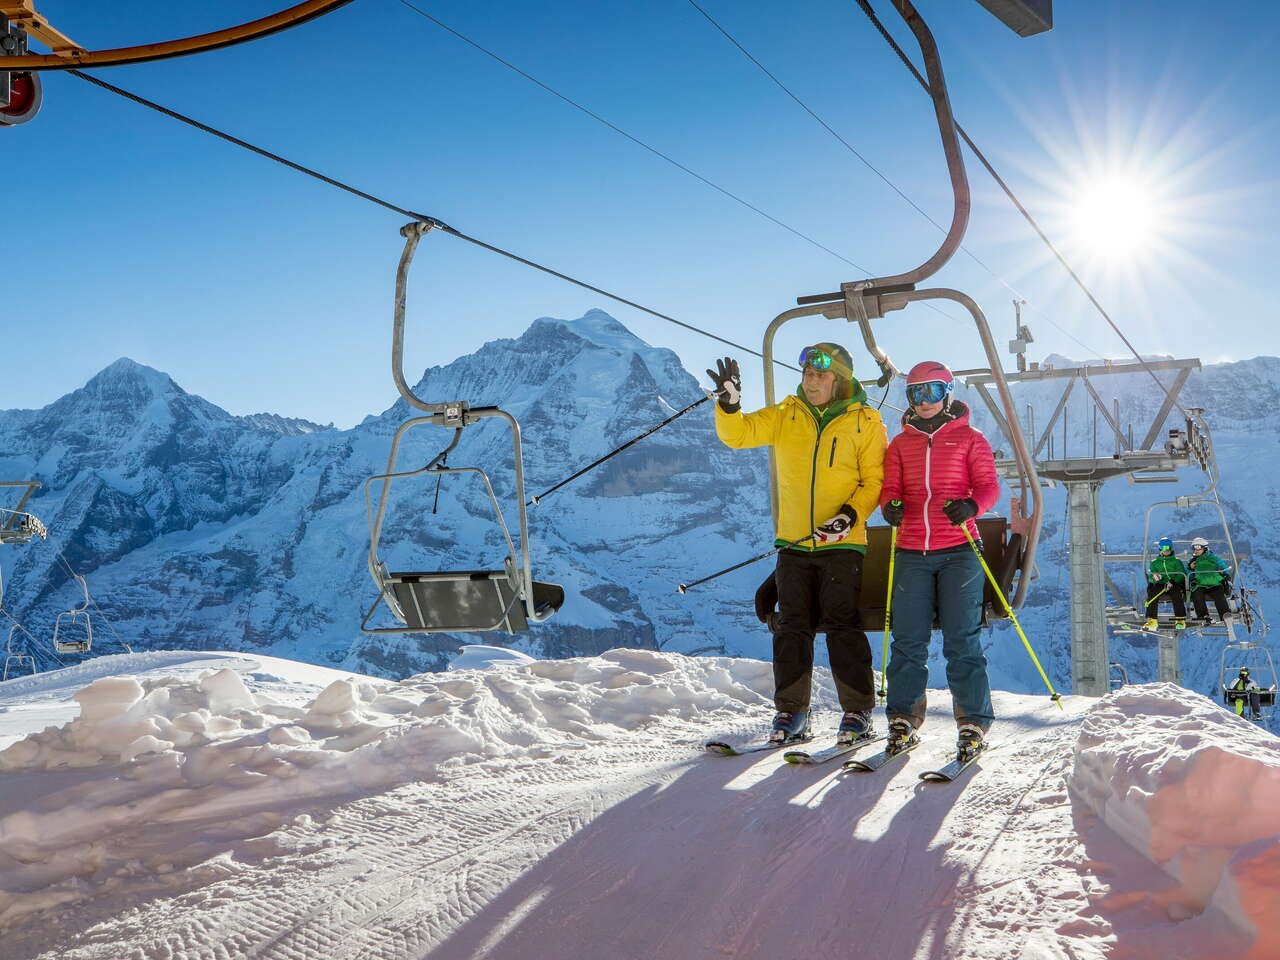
x=929, y=382
x=928, y=370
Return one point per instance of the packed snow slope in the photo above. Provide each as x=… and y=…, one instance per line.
x=213, y=805
x=201, y=529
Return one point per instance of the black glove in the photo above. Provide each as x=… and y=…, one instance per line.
x=838, y=527
x=958, y=511
x=892, y=513
x=728, y=383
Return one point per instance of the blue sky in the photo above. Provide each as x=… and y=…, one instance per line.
x=263, y=290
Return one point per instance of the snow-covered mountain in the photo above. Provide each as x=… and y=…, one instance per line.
x=196, y=527
x=199, y=528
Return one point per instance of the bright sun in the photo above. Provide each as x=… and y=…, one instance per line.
x=1117, y=217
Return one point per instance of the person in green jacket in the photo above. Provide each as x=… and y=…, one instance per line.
x=1208, y=580
x=1166, y=580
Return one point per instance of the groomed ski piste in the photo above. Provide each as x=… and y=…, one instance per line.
x=220, y=805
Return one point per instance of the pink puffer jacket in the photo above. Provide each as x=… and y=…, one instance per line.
x=924, y=471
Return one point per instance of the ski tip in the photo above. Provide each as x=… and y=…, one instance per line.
x=723, y=749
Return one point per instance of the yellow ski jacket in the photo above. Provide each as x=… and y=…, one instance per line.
x=824, y=461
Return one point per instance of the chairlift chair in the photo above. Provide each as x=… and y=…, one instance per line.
x=16, y=525
x=73, y=629
x=859, y=302
x=1199, y=440
x=13, y=660
x=1000, y=550
x=1262, y=670
x=451, y=601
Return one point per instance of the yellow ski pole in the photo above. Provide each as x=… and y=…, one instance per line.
x=888, y=607
x=1055, y=696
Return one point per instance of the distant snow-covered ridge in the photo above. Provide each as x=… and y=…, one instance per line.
x=196, y=527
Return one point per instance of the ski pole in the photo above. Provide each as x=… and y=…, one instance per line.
x=686, y=587
x=613, y=453
x=888, y=607
x=1055, y=696
x=1156, y=598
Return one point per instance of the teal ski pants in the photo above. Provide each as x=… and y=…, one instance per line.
x=946, y=584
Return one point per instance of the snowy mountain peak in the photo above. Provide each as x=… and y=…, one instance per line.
x=128, y=378
x=605, y=331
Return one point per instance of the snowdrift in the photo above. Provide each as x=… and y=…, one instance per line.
x=209, y=804
x=174, y=754
x=1196, y=790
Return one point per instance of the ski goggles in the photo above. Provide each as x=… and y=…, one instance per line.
x=932, y=391
x=817, y=358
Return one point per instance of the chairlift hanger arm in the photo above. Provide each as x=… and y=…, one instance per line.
x=68, y=54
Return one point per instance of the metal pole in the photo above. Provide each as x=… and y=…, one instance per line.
x=1089, y=655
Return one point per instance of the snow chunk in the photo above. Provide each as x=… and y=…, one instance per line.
x=1192, y=787
x=479, y=656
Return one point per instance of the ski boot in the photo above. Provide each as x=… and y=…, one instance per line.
x=970, y=741
x=790, y=727
x=1151, y=624
x=1180, y=624
x=854, y=725
x=901, y=735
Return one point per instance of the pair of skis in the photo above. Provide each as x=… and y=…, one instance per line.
x=792, y=756
x=869, y=764
x=944, y=774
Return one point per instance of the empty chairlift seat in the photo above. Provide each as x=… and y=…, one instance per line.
x=452, y=601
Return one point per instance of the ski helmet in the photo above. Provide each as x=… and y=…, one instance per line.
x=1200, y=542
x=929, y=382
x=1165, y=543
x=833, y=357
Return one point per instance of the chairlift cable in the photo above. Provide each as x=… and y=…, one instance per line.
x=438, y=224
x=871, y=15
x=634, y=139
x=874, y=169
x=656, y=152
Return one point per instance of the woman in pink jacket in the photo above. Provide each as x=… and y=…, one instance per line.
x=939, y=473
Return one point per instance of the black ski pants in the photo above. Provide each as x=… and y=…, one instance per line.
x=820, y=588
x=1219, y=597
x=1166, y=590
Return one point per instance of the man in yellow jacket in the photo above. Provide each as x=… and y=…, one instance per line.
x=829, y=453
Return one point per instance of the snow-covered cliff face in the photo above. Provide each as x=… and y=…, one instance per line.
x=199, y=529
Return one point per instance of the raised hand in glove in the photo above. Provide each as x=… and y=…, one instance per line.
x=892, y=513
x=838, y=527
x=958, y=511
x=728, y=383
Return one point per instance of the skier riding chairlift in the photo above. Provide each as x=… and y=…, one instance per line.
x=453, y=601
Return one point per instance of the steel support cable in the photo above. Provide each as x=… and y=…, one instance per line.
x=870, y=166
x=438, y=224
x=634, y=139
x=871, y=15
x=656, y=152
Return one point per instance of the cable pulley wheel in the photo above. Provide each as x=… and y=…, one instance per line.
x=25, y=94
